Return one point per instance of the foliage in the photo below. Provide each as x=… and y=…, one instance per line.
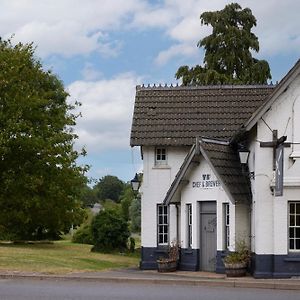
x=110, y=231
x=40, y=182
x=228, y=58
x=83, y=234
x=241, y=255
x=89, y=196
x=109, y=187
x=135, y=214
x=126, y=198
x=173, y=252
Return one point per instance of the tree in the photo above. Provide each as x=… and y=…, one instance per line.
x=110, y=231
x=40, y=182
x=109, y=187
x=126, y=198
x=228, y=58
x=135, y=214
x=89, y=196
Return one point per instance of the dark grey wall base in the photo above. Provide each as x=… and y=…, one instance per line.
x=276, y=266
x=219, y=262
x=149, y=256
x=189, y=260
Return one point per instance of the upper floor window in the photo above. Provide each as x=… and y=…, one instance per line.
x=294, y=226
x=160, y=156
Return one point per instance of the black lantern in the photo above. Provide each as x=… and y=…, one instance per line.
x=244, y=155
x=135, y=183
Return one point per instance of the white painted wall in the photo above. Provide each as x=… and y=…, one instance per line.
x=156, y=182
x=194, y=195
x=270, y=217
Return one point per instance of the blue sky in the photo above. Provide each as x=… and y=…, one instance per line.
x=102, y=49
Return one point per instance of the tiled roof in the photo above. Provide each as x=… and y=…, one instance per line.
x=176, y=115
x=224, y=160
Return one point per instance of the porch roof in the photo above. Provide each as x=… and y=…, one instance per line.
x=224, y=161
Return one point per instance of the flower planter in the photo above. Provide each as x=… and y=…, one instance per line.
x=235, y=269
x=166, y=265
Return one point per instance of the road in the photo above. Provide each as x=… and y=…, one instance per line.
x=14, y=289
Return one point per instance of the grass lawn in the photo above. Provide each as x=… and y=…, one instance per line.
x=59, y=258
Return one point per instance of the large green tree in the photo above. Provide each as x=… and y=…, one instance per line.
x=109, y=187
x=228, y=58
x=40, y=182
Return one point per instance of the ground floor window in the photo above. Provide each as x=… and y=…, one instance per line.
x=189, y=225
x=162, y=224
x=226, y=225
x=294, y=226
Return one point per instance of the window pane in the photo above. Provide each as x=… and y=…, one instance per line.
x=160, y=209
x=165, y=210
x=165, y=219
x=160, y=220
x=160, y=239
x=291, y=244
x=292, y=220
x=292, y=208
x=297, y=233
x=297, y=208
x=297, y=220
x=292, y=233
x=297, y=244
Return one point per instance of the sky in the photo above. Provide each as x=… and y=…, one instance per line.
x=102, y=49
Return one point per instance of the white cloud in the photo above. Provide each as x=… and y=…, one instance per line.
x=180, y=50
x=67, y=27
x=72, y=27
x=107, y=107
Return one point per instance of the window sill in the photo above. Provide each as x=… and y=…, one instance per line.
x=161, y=167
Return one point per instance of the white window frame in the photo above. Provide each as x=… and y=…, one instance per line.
x=162, y=225
x=226, y=226
x=161, y=156
x=189, y=225
x=294, y=226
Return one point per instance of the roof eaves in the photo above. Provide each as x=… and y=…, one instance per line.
x=207, y=158
x=280, y=88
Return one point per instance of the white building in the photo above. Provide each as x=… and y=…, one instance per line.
x=196, y=191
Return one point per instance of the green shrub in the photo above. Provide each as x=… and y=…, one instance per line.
x=83, y=235
x=110, y=231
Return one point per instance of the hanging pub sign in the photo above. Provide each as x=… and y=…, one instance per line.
x=279, y=171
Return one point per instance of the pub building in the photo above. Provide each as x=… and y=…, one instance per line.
x=221, y=165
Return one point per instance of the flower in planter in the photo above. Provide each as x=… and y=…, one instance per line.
x=169, y=263
x=236, y=262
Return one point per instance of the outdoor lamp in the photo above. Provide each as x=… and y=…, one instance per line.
x=244, y=155
x=135, y=183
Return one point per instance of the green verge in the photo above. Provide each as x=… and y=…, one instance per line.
x=61, y=257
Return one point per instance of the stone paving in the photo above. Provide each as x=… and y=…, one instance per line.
x=135, y=275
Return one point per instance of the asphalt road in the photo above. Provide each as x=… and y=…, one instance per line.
x=15, y=289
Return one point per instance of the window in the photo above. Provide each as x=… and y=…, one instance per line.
x=189, y=225
x=294, y=226
x=160, y=156
x=226, y=225
x=162, y=224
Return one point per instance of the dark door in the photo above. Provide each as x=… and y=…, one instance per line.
x=208, y=236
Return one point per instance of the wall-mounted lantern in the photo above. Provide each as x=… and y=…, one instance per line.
x=135, y=183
